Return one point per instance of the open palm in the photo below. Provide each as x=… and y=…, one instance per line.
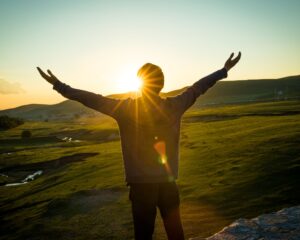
x=50, y=78
x=230, y=63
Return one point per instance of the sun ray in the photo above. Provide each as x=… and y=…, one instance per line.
x=150, y=99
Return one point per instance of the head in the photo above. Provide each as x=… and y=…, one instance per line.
x=152, y=78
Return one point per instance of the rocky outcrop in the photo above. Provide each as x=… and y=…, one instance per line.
x=281, y=225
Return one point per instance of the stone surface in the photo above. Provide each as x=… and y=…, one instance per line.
x=281, y=225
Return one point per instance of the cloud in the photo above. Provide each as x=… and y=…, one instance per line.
x=7, y=87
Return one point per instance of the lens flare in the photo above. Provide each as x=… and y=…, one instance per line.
x=160, y=148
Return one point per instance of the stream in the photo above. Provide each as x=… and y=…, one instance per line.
x=28, y=179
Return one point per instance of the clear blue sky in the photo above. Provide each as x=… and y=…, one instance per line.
x=95, y=45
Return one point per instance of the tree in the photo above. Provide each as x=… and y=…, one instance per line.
x=26, y=134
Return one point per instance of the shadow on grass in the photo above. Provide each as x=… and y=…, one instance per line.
x=82, y=202
x=224, y=117
x=50, y=165
x=48, y=216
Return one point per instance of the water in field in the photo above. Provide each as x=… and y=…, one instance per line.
x=29, y=178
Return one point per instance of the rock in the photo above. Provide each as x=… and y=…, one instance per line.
x=281, y=225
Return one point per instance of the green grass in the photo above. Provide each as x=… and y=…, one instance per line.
x=236, y=161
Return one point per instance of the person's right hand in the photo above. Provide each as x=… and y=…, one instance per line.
x=50, y=78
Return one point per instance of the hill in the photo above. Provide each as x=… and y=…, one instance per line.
x=42, y=112
x=252, y=91
x=224, y=92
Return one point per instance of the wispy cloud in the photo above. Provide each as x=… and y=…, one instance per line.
x=7, y=87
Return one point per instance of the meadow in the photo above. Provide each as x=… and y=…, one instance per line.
x=235, y=161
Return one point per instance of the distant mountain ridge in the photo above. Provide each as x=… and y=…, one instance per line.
x=224, y=92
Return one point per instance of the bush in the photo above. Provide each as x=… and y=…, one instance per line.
x=26, y=134
x=7, y=122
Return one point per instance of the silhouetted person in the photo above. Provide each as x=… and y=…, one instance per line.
x=149, y=129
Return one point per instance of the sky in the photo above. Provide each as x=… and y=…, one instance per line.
x=99, y=45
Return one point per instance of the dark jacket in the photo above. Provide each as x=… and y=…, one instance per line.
x=149, y=128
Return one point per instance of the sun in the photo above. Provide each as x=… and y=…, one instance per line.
x=128, y=81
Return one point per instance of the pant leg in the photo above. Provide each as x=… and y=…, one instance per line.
x=168, y=204
x=143, y=202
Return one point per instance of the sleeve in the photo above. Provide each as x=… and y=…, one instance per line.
x=97, y=102
x=187, y=98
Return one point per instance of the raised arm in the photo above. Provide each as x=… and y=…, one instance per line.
x=186, y=99
x=98, y=102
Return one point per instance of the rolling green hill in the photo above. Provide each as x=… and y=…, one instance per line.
x=224, y=92
x=252, y=91
x=41, y=112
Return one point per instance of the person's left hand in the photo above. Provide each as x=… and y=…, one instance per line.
x=230, y=63
x=50, y=78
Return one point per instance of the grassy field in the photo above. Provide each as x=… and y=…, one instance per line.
x=236, y=161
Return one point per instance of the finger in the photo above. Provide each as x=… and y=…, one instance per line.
x=40, y=70
x=51, y=74
x=231, y=56
x=44, y=75
x=240, y=54
x=238, y=57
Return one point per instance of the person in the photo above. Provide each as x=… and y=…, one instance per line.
x=149, y=129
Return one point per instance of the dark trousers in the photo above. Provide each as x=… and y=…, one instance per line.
x=145, y=197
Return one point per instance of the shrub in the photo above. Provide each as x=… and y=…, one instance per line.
x=7, y=122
